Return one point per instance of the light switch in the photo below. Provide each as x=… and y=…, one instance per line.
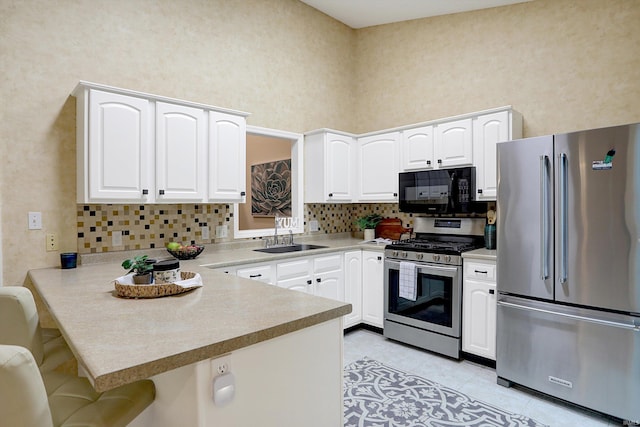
x=224, y=389
x=35, y=220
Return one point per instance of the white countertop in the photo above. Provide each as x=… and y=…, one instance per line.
x=482, y=253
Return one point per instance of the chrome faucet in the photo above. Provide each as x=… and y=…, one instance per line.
x=275, y=231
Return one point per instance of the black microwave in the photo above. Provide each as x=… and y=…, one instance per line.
x=441, y=191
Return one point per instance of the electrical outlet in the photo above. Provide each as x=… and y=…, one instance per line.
x=52, y=242
x=35, y=220
x=204, y=230
x=222, y=231
x=116, y=238
x=220, y=365
x=313, y=225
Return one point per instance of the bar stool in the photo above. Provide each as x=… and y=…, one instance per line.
x=20, y=325
x=62, y=400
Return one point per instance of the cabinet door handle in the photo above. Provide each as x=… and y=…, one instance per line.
x=309, y=282
x=145, y=192
x=251, y=276
x=243, y=193
x=395, y=194
x=439, y=161
x=479, y=190
x=428, y=162
x=318, y=280
x=161, y=192
x=480, y=271
x=330, y=194
x=491, y=291
x=379, y=258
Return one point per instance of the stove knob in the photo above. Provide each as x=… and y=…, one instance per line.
x=404, y=254
x=436, y=257
x=447, y=258
x=394, y=254
x=419, y=256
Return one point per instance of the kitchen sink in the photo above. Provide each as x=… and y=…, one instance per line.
x=290, y=248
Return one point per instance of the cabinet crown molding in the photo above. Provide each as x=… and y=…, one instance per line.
x=84, y=85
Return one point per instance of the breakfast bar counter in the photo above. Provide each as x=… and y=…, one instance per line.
x=118, y=340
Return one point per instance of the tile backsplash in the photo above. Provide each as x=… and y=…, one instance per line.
x=152, y=226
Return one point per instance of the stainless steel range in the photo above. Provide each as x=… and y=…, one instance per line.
x=423, y=283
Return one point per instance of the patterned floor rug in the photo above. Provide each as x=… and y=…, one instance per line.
x=376, y=395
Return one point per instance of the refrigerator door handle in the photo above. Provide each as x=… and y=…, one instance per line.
x=563, y=218
x=544, y=217
x=629, y=326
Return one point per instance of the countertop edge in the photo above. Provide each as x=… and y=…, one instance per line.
x=144, y=371
x=481, y=254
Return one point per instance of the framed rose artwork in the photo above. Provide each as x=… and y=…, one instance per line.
x=271, y=189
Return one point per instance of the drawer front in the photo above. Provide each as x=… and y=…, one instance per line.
x=291, y=269
x=323, y=264
x=262, y=273
x=480, y=271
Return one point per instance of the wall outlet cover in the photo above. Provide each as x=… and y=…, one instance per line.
x=222, y=231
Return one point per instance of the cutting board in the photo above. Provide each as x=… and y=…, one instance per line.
x=391, y=228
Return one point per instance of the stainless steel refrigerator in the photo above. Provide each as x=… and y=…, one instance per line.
x=569, y=267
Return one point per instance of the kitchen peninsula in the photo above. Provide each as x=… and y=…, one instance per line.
x=284, y=348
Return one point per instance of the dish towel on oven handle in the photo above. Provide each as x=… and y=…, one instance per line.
x=408, y=283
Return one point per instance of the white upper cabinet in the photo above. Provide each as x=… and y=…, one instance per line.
x=114, y=147
x=227, y=157
x=417, y=148
x=379, y=167
x=330, y=167
x=139, y=148
x=180, y=153
x=454, y=144
x=488, y=130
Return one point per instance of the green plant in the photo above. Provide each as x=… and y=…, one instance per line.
x=368, y=221
x=138, y=264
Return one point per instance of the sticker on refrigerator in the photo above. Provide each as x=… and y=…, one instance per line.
x=560, y=381
x=605, y=164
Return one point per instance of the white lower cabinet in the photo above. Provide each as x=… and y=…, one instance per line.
x=262, y=272
x=373, y=288
x=355, y=277
x=479, y=308
x=328, y=276
x=321, y=275
x=353, y=287
x=296, y=275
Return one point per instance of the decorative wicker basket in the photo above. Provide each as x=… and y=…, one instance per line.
x=189, y=282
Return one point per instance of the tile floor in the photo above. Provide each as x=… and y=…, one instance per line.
x=474, y=380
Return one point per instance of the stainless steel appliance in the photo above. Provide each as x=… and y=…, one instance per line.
x=423, y=283
x=569, y=267
x=438, y=191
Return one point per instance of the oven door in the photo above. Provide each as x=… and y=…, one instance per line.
x=438, y=298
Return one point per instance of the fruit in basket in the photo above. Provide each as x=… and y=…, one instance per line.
x=173, y=246
x=185, y=252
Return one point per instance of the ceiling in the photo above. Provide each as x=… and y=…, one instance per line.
x=366, y=13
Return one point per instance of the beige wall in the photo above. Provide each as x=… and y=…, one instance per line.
x=564, y=64
x=287, y=64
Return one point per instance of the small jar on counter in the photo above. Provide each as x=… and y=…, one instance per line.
x=167, y=271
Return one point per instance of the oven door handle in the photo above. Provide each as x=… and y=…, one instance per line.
x=438, y=269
